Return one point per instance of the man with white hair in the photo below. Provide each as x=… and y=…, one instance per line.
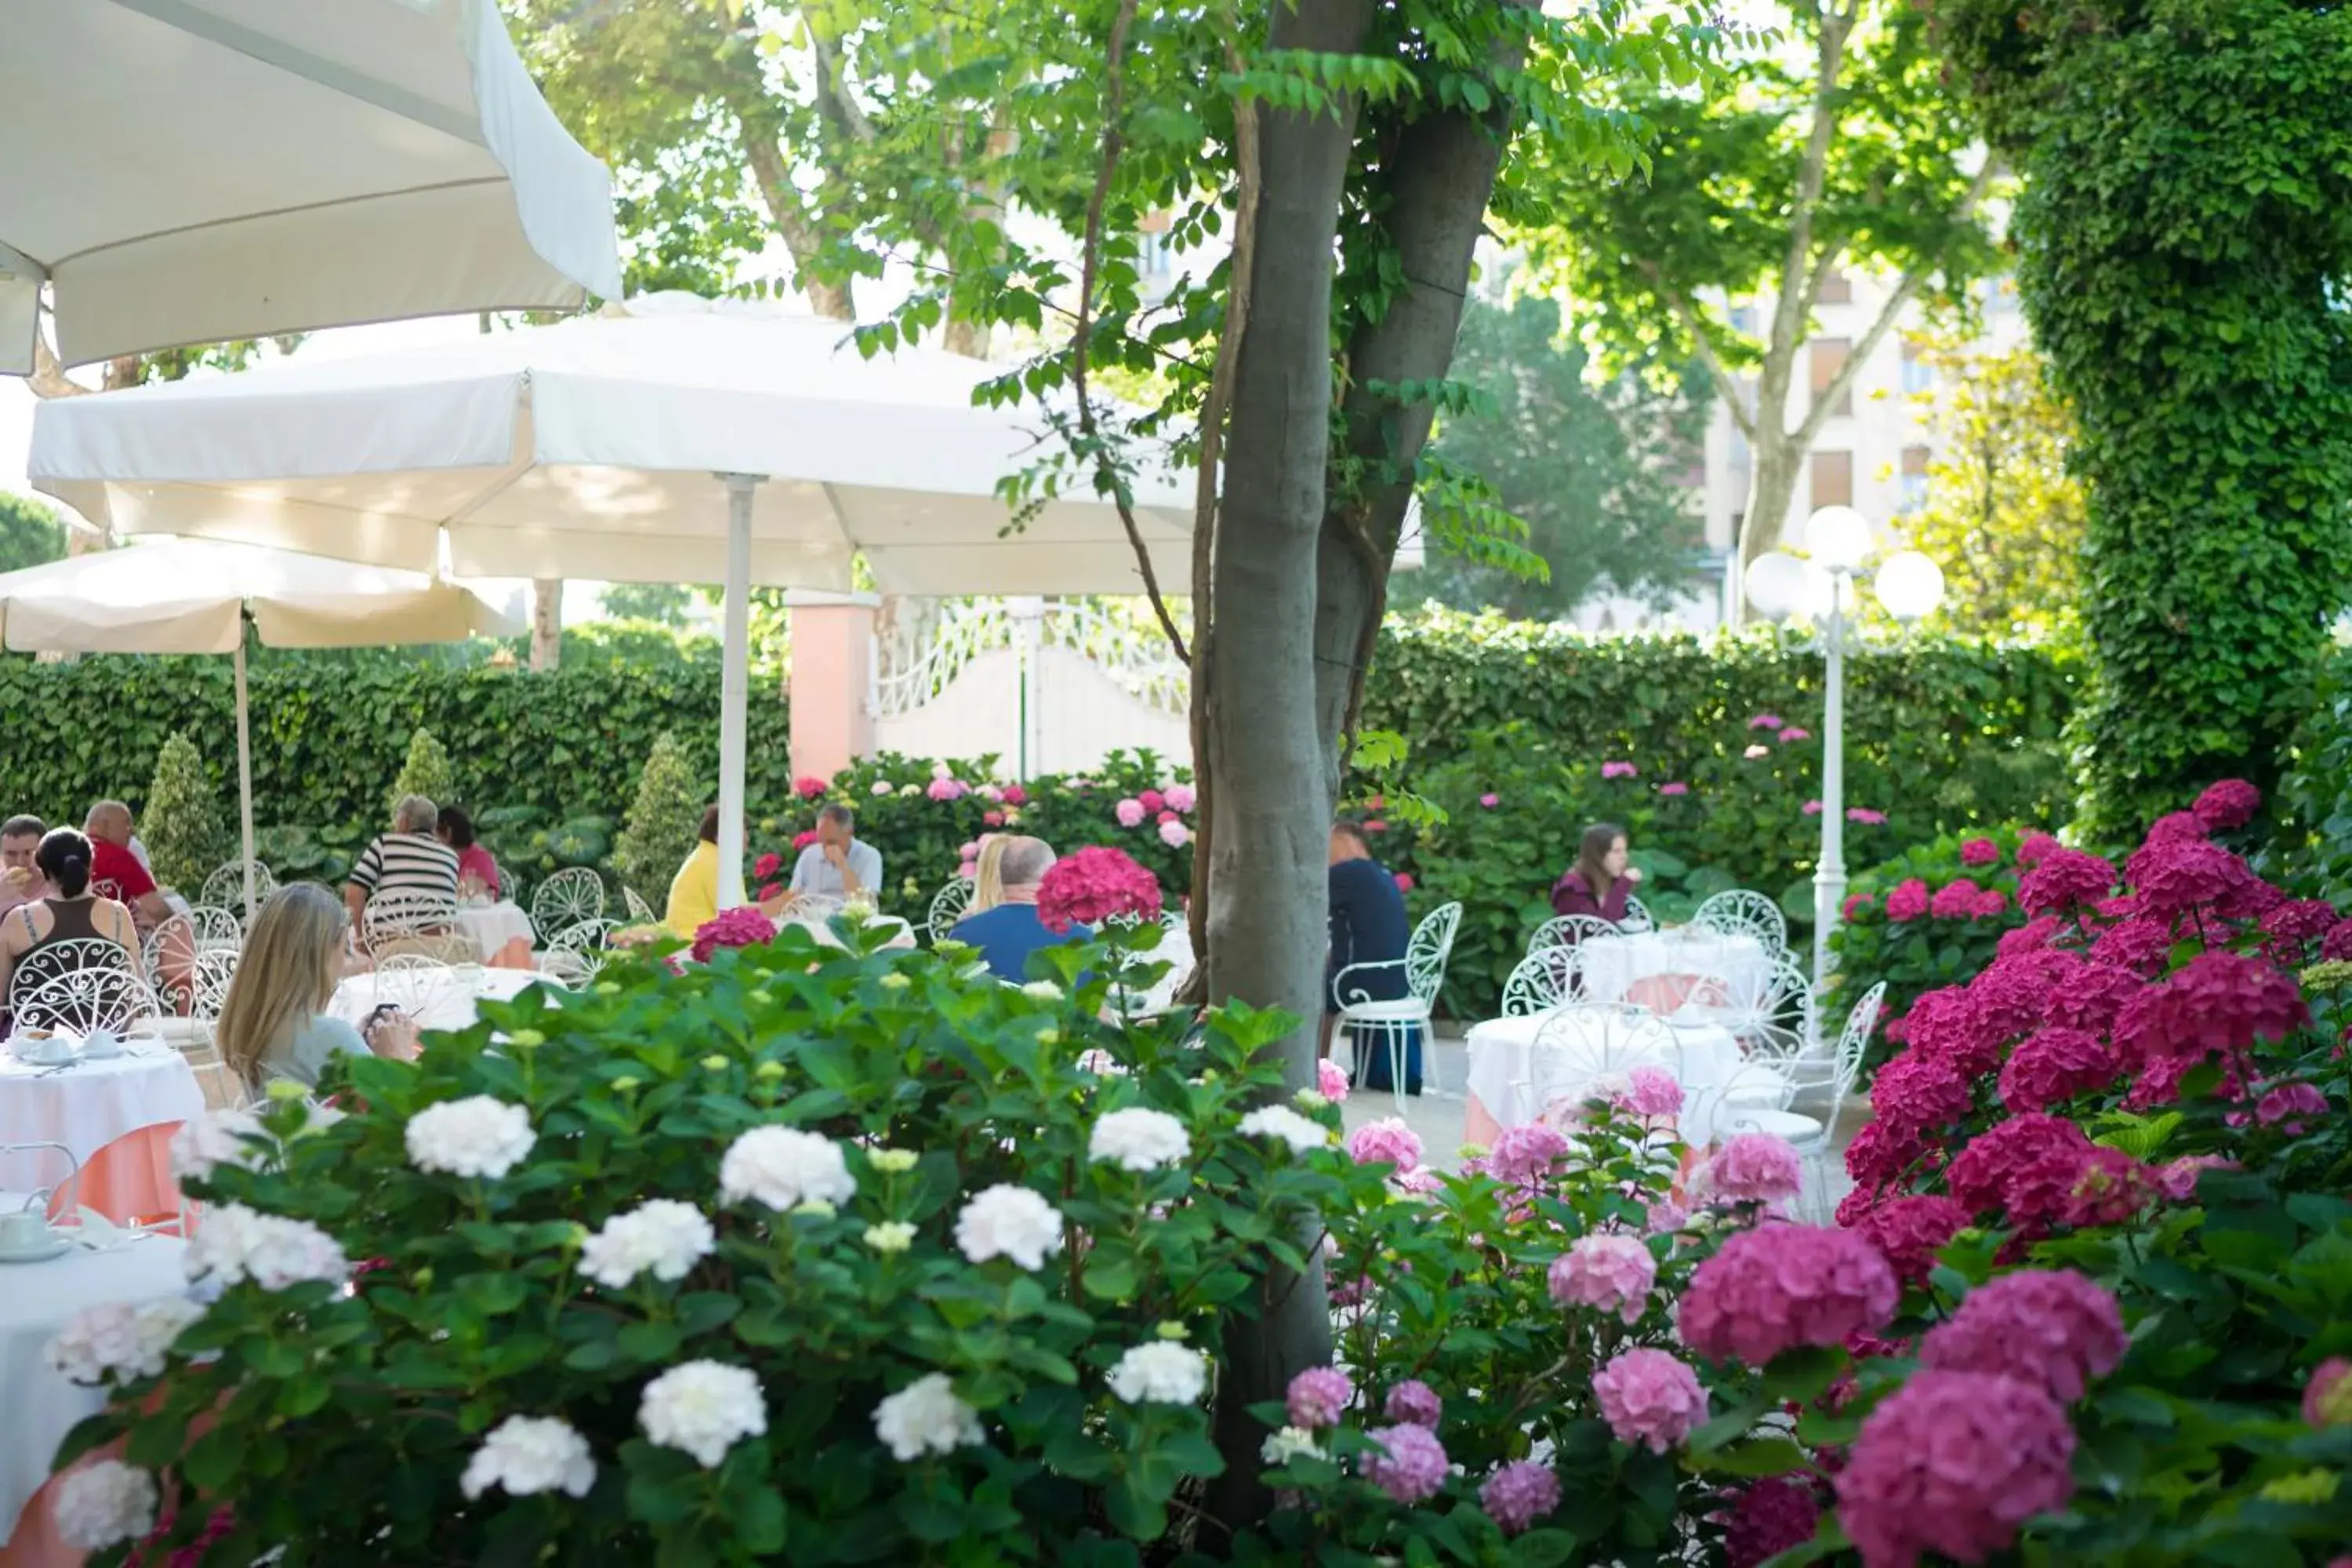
x=408, y=859
x=1007, y=934
x=118, y=873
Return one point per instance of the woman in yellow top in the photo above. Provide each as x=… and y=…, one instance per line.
x=694, y=891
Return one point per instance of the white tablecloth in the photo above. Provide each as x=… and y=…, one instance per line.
x=1175, y=950
x=86, y=1107
x=35, y=1300
x=450, y=1001
x=1615, y=965
x=490, y=926
x=1502, y=1062
x=820, y=927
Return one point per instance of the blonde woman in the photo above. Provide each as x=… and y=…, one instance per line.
x=988, y=876
x=274, y=1023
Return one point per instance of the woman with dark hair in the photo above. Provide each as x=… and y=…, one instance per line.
x=694, y=891
x=478, y=874
x=1601, y=881
x=70, y=913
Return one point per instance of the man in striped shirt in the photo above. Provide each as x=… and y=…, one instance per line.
x=409, y=860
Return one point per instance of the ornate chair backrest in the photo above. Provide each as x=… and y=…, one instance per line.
x=1432, y=945
x=1740, y=912
x=81, y=985
x=571, y=896
x=948, y=906
x=1544, y=979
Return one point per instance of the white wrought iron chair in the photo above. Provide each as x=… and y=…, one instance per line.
x=1569, y=930
x=1637, y=917
x=1544, y=979
x=641, y=913
x=81, y=984
x=414, y=922
x=1362, y=1015
x=58, y=1200
x=1823, y=1061
x=412, y=982
x=107, y=887
x=1583, y=1042
x=224, y=889
x=1755, y=1100
x=1771, y=1014
x=1740, y=912
x=948, y=906
x=578, y=953
x=571, y=896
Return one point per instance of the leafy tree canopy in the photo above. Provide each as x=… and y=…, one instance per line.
x=30, y=532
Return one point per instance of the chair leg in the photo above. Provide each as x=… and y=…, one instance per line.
x=1397, y=1036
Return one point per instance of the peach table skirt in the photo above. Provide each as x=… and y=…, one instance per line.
x=129, y=1181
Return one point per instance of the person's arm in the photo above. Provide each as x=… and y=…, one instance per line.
x=851, y=883
x=365, y=873
x=152, y=908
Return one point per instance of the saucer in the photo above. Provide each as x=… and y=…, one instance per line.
x=55, y=1247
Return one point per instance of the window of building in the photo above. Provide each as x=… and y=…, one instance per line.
x=1743, y=321
x=1829, y=357
x=1832, y=480
x=1837, y=288
x=1918, y=375
x=1913, y=486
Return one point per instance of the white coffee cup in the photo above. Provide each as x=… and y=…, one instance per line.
x=100, y=1044
x=24, y=1231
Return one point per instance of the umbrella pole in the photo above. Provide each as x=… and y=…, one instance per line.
x=734, y=688
x=244, y=767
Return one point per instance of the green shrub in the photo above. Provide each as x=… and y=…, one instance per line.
x=662, y=819
x=182, y=825
x=425, y=771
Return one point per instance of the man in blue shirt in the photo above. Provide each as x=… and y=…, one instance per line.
x=1007, y=934
x=1368, y=926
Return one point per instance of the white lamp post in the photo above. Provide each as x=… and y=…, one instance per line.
x=1822, y=589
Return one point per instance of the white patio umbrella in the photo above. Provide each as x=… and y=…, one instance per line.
x=184, y=171
x=192, y=596
x=681, y=442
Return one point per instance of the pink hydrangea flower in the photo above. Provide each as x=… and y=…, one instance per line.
x=1404, y=880
x=1785, y=1285
x=1954, y=1462
x=1524, y=1156
x=1769, y=1518
x=2026, y=1164
x=2327, y=1397
x=2031, y=937
x=2172, y=876
x=1129, y=813
x=803, y=839
x=2174, y=826
x=1991, y=904
x=1518, y=1494
x=1408, y=1463
x=2289, y=1103
x=1651, y=1091
x=1609, y=1273
x=2052, y=1327
x=1415, y=1404
x=1673, y=788
x=991, y=818
x=1175, y=834
x=1755, y=1168
x=765, y=867
x=1152, y=800
x=2110, y=1188
x=1649, y=1397
x=1954, y=901
x=742, y=927
x=1907, y=900
x=1791, y=734
x=2063, y=880
x=1766, y=722
x=1091, y=887
x=1618, y=770
x=1811, y=808
x=1980, y=852
x=1919, y=1092
x=1910, y=1232
x=1869, y=816
x=2176, y=1179
x=1856, y=904
x=2053, y=1066
x=1015, y=795
x=1376, y=826
x=2034, y=848
x=1180, y=797
x=808, y=787
x=947, y=789
x=1490, y=800
x=990, y=793
x=2217, y=1000
x=1319, y=1397
x=1386, y=1142
x=1331, y=1082
x=2232, y=803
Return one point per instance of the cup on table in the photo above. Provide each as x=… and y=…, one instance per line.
x=24, y=1231
x=44, y=1048
x=101, y=1046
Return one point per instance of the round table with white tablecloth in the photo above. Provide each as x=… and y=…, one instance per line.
x=436, y=999
x=1502, y=1062
x=36, y=1301
x=496, y=930
x=1665, y=970
x=901, y=934
x=127, y=1106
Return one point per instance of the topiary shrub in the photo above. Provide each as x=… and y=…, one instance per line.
x=659, y=832
x=425, y=771
x=182, y=827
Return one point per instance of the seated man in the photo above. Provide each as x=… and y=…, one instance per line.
x=1368, y=926
x=119, y=874
x=1007, y=934
x=21, y=881
x=409, y=860
x=838, y=865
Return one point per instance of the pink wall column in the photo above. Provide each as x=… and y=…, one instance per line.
x=833, y=676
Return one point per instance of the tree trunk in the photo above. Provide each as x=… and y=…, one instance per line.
x=1774, y=461
x=1268, y=928
x=546, y=623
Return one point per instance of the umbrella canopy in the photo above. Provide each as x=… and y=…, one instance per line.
x=586, y=449
x=186, y=170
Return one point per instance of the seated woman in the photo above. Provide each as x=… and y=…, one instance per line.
x=274, y=1023
x=694, y=891
x=70, y=913
x=478, y=874
x=988, y=876
x=1601, y=881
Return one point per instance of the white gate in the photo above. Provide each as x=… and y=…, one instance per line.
x=1047, y=688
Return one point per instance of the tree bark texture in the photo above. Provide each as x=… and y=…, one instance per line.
x=1268, y=931
x=546, y=623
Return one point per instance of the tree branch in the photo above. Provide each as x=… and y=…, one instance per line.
x=48, y=377
x=1726, y=385
x=1790, y=305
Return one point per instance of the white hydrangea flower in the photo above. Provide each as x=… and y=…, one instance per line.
x=218, y=1137
x=891, y=1236
x=784, y=1167
x=893, y=1161
x=926, y=1417
x=236, y=1244
x=529, y=1453
x=1008, y=1221
x=1138, y=1139
x=1290, y=1443
x=1043, y=990
x=703, y=1408
x=104, y=1505
x=120, y=1340
x=1301, y=1132
x=476, y=1136
x=661, y=1236
x=1161, y=1373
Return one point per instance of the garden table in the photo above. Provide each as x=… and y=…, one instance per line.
x=35, y=1301
x=454, y=1002
x=1664, y=970
x=117, y=1116
x=1502, y=1063
x=501, y=933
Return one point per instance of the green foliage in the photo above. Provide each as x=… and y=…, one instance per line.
x=30, y=533
x=181, y=824
x=1923, y=952
x=658, y=604
x=2185, y=224
x=2314, y=806
x=662, y=821
x=1595, y=472
x=425, y=771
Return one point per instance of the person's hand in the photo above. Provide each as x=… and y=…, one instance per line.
x=837, y=855
x=17, y=876
x=1632, y=873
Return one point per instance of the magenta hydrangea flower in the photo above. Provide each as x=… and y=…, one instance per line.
x=1980, y=852
x=1319, y=1397
x=2092, y=996
x=2053, y=1066
x=1988, y=1174
x=1785, y=1285
x=1856, y=904
x=1094, y=885
x=1811, y=808
x=2327, y=1397
x=2110, y=1188
x=1992, y=903
x=1767, y=722
x=1954, y=1462
x=1610, y=1273
x=1907, y=900
x=2031, y=937
x=1674, y=788
x=1518, y=1494
x=2337, y=943
x=1651, y=1091
x=1618, y=770
x=2288, y=1104
x=2176, y=1179
x=1916, y=1093
x=1755, y=1167
x=2049, y=1327
x=1388, y=1139
x=1875, y=1156
x=1649, y=1397
x=1524, y=1156
x=1330, y=1081
x=1869, y=816
x=2173, y=876
x=1408, y=1463
x=2064, y=880
x=1415, y=1404
x=2034, y=848
x=1769, y=1518
x=1910, y=1232
x=1954, y=901
x=2141, y=947
x=2232, y=803
x=2173, y=827
x=743, y=926
x=2217, y=1000
x=1490, y=800
x=1791, y=734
